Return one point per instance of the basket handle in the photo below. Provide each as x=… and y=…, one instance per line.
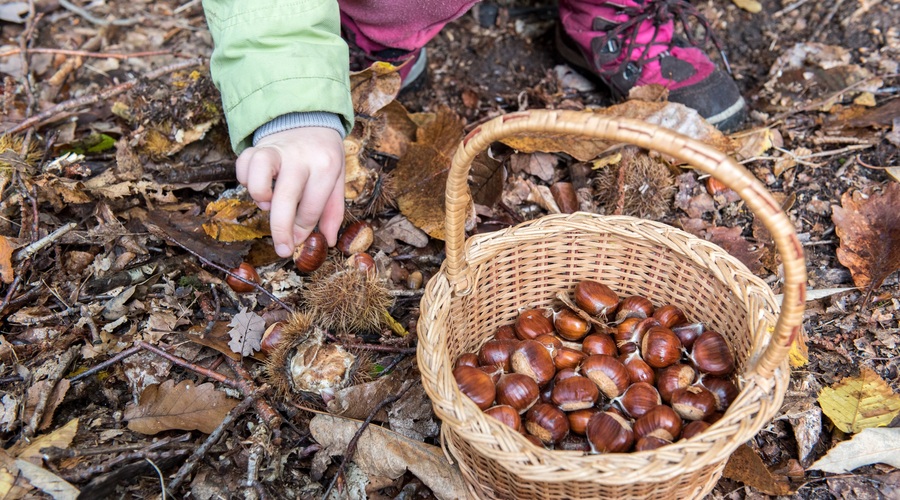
x=645, y=135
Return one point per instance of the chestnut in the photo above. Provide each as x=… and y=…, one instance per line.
x=687, y=333
x=669, y=315
x=532, y=323
x=661, y=421
x=574, y=393
x=724, y=390
x=674, y=377
x=497, y=352
x=547, y=422
x=711, y=354
x=567, y=357
x=634, y=306
x=362, y=262
x=271, y=337
x=531, y=358
x=507, y=415
x=311, y=254
x=494, y=371
x=569, y=325
x=475, y=384
x=693, y=428
x=693, y=403
x=660, y=347
x=505, y=332
x=247, y=272
x=551, y=342
x=608, y=373
x=599, y=343
x=626, y=340
x=578, y=419
x=638, y=369
x=519, y=391
x=356, y=238
x=609, y=432
x=648, y=443
x=467, y=359
x=638, y=399
x=595, y=298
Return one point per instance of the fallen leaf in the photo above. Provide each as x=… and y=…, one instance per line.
x=747, y=467
x=540, y=165
x=185, y=406
x=374, y=87
x=866, y=99
x=400, y=228
x=246, y=333
x=755, y=142
x=56, y=397
x=6, y=266
x=14, y=12
x=235, y=220
x=871, y=446
x=691, y=197
x=397, y=132
x=381, y=452
x=486, y=179
x=421, y=175
x=47, y=481
x=751, y=6
x=185, y=228
x=857, y=403
x=806, y=420
x=60, y=438
x=869, y=230
x=730, y=239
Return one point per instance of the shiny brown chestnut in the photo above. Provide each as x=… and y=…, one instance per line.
x=638, y=399
x=626, y=340
x=246, y=271
x=578, y=419
x=551, y=342
x=648, y=443
x=531, y=358
x=356, y=238
x=609, y=432
x=547, y=422
x=638, y=369
x=669, y=315
x=505, y=332
x=475, y=384
x=660, y=347
x=661, y=422
x=634, y=306
x=693, y=428
x=311, y=254
x=494, y=371
x=595, y=298
x=467, y=359
x=599, y=343
x=507, y=415
x=362, y=262
x=688, y=333
x=693, y=403
x=271, y=337
x=569, y=325
x=574, y=393
x=567, y=357
x=674, y=377
x=497, y=353
x=532, y=323
x=711, y=354
x=724, y=390
x=608, y=373
x=518, y=391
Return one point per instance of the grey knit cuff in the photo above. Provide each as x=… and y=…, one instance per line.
x=297, y=120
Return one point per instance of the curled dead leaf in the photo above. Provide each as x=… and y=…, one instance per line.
x=186, y=406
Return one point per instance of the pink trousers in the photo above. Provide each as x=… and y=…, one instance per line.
x=409, y=24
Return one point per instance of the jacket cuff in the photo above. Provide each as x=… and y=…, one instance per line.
x=297, y=120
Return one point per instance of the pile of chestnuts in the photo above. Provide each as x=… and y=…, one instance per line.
x=602, y=374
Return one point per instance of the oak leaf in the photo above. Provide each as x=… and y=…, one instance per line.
x=246, y=333
x=871, y=446
x=397, y=132
x=421, y=175
x=747, y=467
x=235, y=220
x=857, y=403
x=6, y=266
x=186, y=406
x=869, y=230
x=374, y=87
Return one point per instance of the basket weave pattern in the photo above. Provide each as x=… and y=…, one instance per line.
x=484, y=284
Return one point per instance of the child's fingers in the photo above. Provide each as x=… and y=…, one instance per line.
x=242, y=165
x=261, y=169
x=312, y=204
x=333, y=215
x=288, y=193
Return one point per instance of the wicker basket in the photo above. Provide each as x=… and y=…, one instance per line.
x=485, y=281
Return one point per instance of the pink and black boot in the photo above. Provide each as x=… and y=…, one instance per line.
x=628, y=43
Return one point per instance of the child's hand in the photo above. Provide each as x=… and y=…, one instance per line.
x=308, y=166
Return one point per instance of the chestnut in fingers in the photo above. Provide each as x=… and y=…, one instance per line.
x=475, y=384
x=507, y=415
x=722, y=389
x=711, y=354
x=608, y=373
x=532, y=323
x=609, y=432
x=638, y=399
x=660, y=347
x=693, y=403
x=547, y=422
x=574, y=393
x=518, y=391
x=246, y=271
x=661, y=421
x=497, y=352
x=674, y=377
x=599, y=343
x=311, y=254
x=569, y=325
x=595, y=298
x=531, y=358
x=634, y=306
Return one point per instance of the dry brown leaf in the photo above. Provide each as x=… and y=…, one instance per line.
x=870, y=446
x=380, y=452
x=747, y=467
x=60, y=438
x=869, y=230
x=246, y=332
x=857, y=403
x=538, y=164
x=730, y=239
x=671, y=115
x=421, y=175
x=374, y=87
x=235, y=220
x=46, y=481
x=755, y=142
x=398, y=130
x=486, y=180
x=6, y=266
x=185, y=406
x=56, y=397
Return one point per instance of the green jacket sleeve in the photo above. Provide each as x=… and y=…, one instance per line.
x=273, y=57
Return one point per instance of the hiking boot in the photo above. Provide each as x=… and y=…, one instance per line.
x=628, y=43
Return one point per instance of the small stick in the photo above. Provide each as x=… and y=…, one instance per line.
x=246, y=386
x=42, y=243
x=218, y=377
x=351, y=446
x=54, y=453
x=84, y=475
x=85, y=53
x=50, y=317
x=96, y=20
x=56, y=373
x=109, y=362
x=9, y=293
x=211, y=440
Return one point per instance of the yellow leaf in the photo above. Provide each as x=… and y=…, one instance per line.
x=857, y=403
x=60, y=438
x=751, y=6
x=799, y=353
x=865, y=99
x=235, y=220
x=6, y=266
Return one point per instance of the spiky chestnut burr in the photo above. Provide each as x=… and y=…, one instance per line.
x=343, y=299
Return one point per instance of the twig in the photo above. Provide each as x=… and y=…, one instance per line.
x=211, y=440
x=56, y=373
x=84, y=475
x=50, y=317
x=85, y=53
x=162, y=481
x=818, y=102
x=14, y=378
x=53, y=113
x=54, y=453
x=96, y=20
x=218, y=377
x=10, y=292
x=109, y=362
x=789, y=8
x=245, y=384
x=351, y=446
